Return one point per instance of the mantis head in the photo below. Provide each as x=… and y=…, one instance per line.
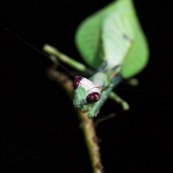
x=85, y=93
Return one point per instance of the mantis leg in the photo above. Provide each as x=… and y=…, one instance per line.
x=133, y=82
x=119, y=100
x=66, y=59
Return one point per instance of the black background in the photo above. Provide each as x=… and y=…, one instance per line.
x=39, y=128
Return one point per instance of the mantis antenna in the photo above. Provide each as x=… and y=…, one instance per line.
x=30, y=45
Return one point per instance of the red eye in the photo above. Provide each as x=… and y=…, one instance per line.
x=77, y=81
x=93, y=97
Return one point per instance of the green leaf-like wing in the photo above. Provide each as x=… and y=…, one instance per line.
x=115, y=33
x=88, y=36
x=123, y=40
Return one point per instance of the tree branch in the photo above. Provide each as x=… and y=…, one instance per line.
x=87, y=125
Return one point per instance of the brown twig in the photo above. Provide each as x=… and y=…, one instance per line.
x=87, y=125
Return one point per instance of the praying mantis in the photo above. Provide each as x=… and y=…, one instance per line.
x=113, y=44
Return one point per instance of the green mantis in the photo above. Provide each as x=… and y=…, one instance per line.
x=112, y=43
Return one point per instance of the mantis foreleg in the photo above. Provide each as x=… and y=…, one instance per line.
x=66, y=59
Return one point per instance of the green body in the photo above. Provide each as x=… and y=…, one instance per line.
x=111, y=42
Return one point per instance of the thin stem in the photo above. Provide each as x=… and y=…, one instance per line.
x=87, y=125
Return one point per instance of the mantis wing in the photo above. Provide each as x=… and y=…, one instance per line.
x=114, y=32
x=123, y=40
x=88, y=36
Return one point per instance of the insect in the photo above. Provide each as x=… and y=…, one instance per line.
x=112, y=43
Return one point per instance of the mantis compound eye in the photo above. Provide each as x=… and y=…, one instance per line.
x=77, y=81
x=93, y=97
